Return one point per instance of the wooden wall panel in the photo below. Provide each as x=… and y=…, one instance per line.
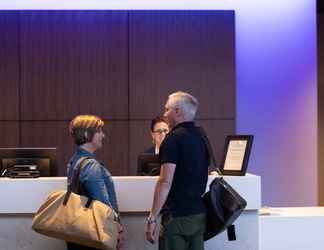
x=120, y=65
x=139, y=140
x=72, y=62
x=9, y=134
x=217, y=130
x=56, y=134
x=103, y=70
x=115, y=152
x=49, y=65
x=9, y=66
x=49, y=134
x=182, y=50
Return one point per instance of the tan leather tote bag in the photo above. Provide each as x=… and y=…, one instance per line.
x=75, y=218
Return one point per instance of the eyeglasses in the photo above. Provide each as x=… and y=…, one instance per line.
x=160, y=131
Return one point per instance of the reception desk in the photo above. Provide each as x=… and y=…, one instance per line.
x=20, y=199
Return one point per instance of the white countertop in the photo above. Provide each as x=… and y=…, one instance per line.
x=134, y=193
x=298, y=228
x=291, y=212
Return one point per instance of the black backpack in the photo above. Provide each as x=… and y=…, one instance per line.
x=223, y=204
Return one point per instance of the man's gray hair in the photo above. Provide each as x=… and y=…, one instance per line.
x=186, y=102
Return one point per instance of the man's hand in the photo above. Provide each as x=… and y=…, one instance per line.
x=150, y=230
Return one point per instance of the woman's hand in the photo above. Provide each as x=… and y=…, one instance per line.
x=120, y=238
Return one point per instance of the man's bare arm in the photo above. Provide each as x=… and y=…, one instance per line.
x=162, y=188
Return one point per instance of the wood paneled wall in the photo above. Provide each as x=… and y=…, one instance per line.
x=119, y=65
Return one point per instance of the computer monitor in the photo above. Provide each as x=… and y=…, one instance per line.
x=28, y=162
x=148, y=164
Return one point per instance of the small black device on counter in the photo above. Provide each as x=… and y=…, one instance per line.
x=27, y=162
x=21, y=168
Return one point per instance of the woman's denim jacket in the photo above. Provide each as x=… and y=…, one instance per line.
x=95, y=179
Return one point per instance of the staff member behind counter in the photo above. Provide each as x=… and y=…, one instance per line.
x=147, y=162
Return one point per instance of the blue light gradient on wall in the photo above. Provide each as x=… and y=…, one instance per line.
x=277, y=98
x=276, y=85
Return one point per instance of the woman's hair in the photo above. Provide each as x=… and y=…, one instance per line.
x=157, y=120
x=83, y=127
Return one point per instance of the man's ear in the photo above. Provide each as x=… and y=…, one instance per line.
x=153, y=140
x=177, y=110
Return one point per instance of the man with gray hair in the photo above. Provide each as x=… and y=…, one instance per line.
x=183, y=178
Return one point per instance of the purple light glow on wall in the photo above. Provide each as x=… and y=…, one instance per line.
x=277, y=99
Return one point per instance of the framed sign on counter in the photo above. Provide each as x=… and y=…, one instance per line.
x=236, y=154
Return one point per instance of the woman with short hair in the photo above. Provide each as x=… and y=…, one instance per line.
x=95, y=179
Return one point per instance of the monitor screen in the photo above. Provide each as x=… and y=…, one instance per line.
x=148, y=164
x=27, y=162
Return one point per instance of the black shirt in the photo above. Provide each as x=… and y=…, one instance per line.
x=185, y=147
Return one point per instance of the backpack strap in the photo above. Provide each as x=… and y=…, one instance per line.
x=209, y=149
x=231, y=236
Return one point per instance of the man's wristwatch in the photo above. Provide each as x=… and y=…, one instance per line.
x=151, y=220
